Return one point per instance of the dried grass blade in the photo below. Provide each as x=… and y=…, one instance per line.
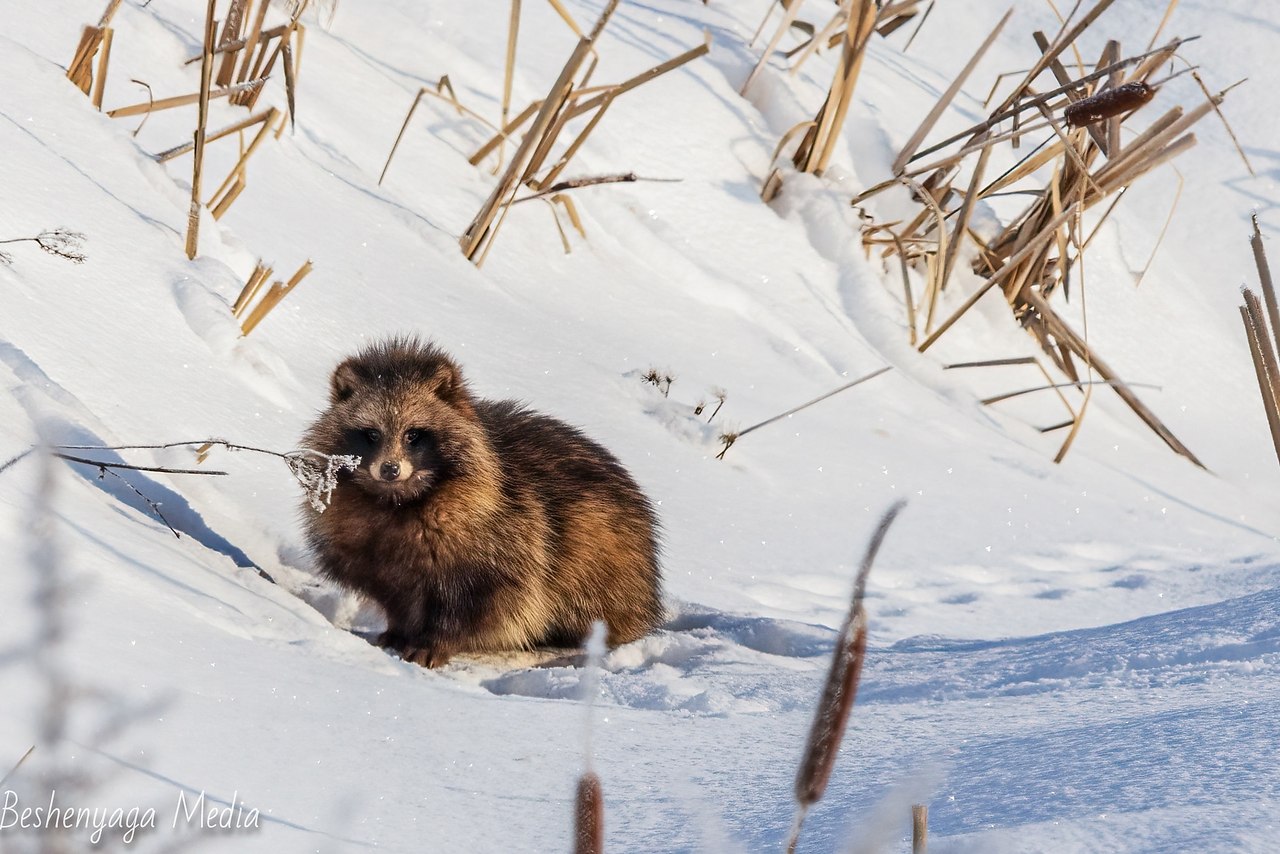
x=947, y=97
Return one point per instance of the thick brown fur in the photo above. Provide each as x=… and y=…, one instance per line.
x=477, y=525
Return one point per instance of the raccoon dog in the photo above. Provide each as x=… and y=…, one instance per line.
x=477, y=525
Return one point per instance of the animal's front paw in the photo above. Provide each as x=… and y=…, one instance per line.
x=427, y=656
x=389, y=640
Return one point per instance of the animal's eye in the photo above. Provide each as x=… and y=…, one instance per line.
x=373, y=436
x=411, y=437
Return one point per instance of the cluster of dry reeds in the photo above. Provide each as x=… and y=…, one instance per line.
x=234, y=64
x=539, y=159
x=850, y=26
x=1264, y=343
x=1086, y=143
x=570, y=98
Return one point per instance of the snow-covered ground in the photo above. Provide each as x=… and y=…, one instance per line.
x=1074, y=657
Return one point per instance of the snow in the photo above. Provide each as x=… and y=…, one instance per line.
x=1073, y=657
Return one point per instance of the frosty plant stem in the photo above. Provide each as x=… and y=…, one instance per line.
x=316, y=472
x=731, y=437
x=839, y=692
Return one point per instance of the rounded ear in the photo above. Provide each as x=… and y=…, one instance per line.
x=344, y=382
x=448, y=383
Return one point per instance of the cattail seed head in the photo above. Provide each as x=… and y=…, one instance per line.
x=589, y=816
x=1106, y=104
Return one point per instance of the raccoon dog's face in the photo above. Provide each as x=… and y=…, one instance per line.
x=403, y=409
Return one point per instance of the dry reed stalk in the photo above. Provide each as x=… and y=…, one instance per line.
x=505, y=132
x=251, y=41
x=1263, y=346
x=231, y=29
x=442, y=85
x=1034, y=244
x=262, y=70
x=789, y=12
x=816, y=148
x=1264, y=278
x=272, y=298
x=919, y=829
x=566, y=101
x=156, y=105
x=839, y=691
x=481, y=230
x=1258, y=345
x=228, y=197
x=226, y=192
x=962, y=223
x=249, y=292
x=947, y=97
x=1020, y=100
x=80, y=70
x=244, y=124
x=206, y=76
x=820, y=38
x=104, y=57
x=513, y=34
x=286, y=52
x=588, y=815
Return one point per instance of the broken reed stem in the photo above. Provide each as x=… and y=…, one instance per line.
x=247, y=294
x=588, y=814
x=104, y=57
x=839, y=691
x=919, y=828
x=273, y=297
x=206, y=76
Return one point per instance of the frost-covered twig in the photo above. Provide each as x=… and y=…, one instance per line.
x=319, y=480
x=315, y=471
x=60, y=242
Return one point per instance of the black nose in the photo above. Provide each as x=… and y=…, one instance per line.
x=390, y=471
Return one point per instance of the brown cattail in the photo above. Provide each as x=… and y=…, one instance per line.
x=1106, y=104
x=839, y=692
x=589, y=816
x=833, y=712
x=919, y=828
